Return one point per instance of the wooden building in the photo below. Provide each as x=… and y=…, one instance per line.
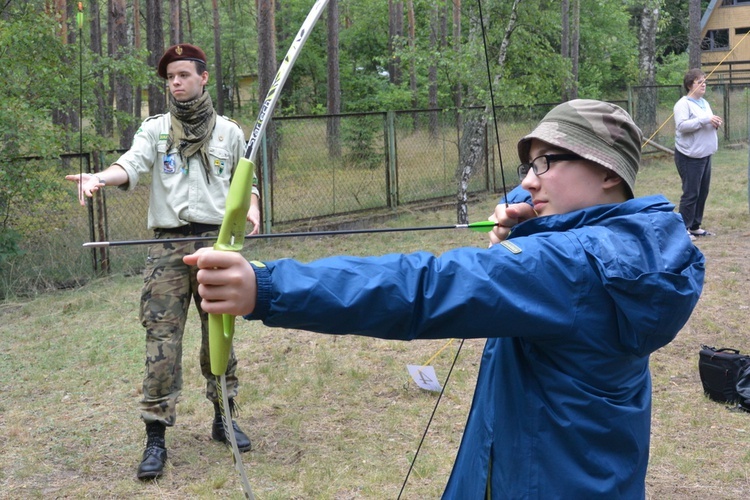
x=725, y=50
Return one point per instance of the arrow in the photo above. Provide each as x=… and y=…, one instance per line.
x=484, y=226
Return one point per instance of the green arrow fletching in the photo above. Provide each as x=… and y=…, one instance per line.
x=482, y=226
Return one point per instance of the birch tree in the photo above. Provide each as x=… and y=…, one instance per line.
x=473, y=140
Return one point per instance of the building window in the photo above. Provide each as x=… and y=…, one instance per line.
x=716, y=40
x=741, y=31
x=725, y=3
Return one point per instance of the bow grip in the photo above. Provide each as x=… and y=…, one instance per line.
x=220, y=334
x=231, y=238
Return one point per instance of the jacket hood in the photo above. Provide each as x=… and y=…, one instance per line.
x=621, y=242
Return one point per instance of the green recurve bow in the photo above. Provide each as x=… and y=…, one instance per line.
x=232, y=232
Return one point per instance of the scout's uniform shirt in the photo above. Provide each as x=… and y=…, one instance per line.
x=181, y=189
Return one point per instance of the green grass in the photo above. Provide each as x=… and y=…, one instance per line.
x=336, y=416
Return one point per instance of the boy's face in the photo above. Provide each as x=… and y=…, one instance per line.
x=184, y=82
x=567, y=185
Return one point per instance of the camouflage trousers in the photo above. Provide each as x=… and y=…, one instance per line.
x=168, y=286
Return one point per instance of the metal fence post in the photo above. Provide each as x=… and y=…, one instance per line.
x=102, y=226
x=630, y=100
x=391, y=160
x=726, y=112
x=265, y=186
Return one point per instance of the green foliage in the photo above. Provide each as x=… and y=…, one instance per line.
x=363, y=89
x=9, y=240
x=36, y=83
x=672, y=69
x=533, y=72
x=674, y=27
x=358, y=135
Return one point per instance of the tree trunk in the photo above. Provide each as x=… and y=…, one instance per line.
x=138, y=103
x=457, y=88
x=157, y=103
x=395, y=32
x=188, y=20
x=334, y=82
x=231, y=83
x=66, y=117
x=103, y=119
x=267, y=71
x=694, y=33
x=432, y=90
x=575, y=42
x=219, y=75
x=646, y=102
x=175, y=23
x=123, y=89
x=412, y=64
x=471, y=151
x=565, y=46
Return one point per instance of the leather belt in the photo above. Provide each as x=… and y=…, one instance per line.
x=191, y=228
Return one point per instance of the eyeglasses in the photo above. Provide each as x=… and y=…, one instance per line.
x=538, y=169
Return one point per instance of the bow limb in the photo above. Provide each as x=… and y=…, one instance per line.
x=232, y=232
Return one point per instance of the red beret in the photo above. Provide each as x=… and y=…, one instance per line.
x=181, y=52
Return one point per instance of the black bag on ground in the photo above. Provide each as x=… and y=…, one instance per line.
x=720, y=370
x=743, y=388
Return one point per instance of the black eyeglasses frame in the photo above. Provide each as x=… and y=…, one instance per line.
x=524, y=168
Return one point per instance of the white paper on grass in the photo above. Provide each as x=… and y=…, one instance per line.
x=425, y=377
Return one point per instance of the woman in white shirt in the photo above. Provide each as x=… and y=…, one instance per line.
x=695, y=141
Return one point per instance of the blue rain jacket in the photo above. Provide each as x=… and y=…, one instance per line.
x=572, y=306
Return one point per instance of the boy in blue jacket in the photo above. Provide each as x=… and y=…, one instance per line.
x=581, y=283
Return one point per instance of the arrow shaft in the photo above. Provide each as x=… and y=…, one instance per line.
x=99, y=244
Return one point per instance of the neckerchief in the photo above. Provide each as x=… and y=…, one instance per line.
x=192, y=125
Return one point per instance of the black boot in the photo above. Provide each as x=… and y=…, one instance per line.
x=217, y=430
x=155, y=455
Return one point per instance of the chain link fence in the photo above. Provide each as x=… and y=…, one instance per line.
x=315, y=171
x=731, y=102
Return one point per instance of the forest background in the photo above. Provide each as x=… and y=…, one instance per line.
x=374, y=55
x=79, y=77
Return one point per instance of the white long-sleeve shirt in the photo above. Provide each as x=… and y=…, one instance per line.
x=695, y=136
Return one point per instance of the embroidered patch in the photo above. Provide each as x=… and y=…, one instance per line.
x=257, y=263
x=163, y=137
x=169, y=164
x=511, y=246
